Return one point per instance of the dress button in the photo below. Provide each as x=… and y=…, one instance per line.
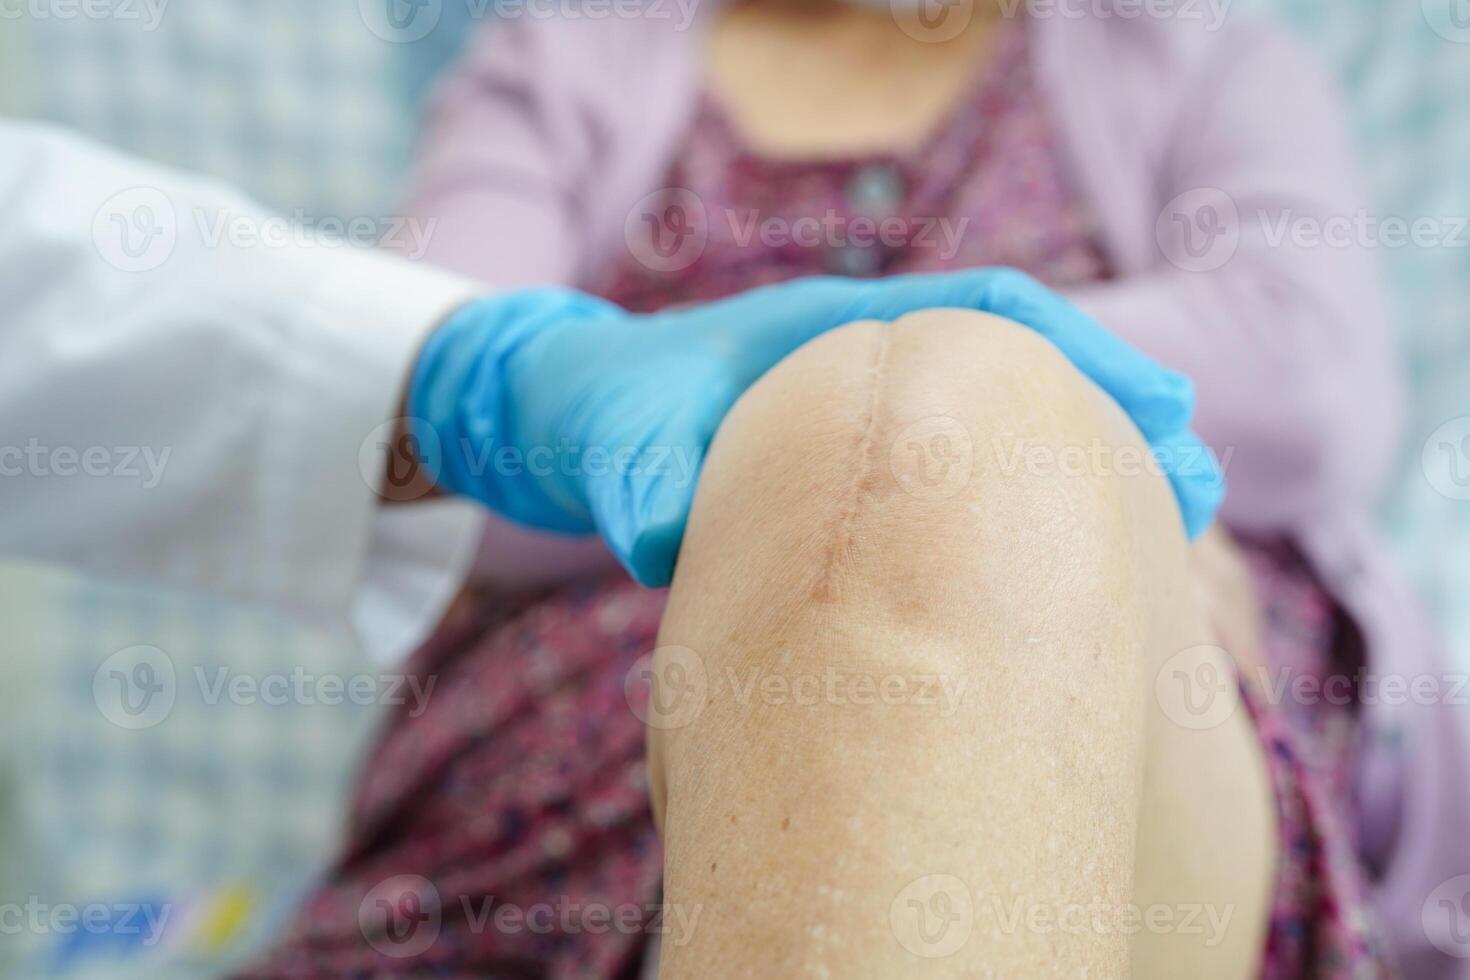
x=855, y=260
x=876, y=189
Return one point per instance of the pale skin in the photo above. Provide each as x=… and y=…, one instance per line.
x=927, y=736
x=1042, y=771
x=813, y=78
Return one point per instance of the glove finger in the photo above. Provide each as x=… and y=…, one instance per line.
x=775, y=320
x=1158, y=400
x=641, y=506
x=1195, y=474
x=756, y=329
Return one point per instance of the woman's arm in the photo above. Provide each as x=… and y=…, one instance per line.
x=1263, y=288
x=502, y=161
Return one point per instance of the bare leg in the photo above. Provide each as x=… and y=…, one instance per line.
x=907, y=720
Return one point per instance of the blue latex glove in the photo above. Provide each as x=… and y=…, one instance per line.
x=564, y=412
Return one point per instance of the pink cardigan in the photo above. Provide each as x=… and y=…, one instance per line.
x=537, y=148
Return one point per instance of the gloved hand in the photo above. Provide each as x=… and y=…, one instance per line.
x=566, y=413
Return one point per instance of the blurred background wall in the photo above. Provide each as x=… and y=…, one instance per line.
x=222, y=814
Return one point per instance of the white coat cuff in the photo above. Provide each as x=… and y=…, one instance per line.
x=391, y=570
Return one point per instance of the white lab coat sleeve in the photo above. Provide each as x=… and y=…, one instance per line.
x=192, y=392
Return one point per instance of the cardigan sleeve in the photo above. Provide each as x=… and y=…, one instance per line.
x=502, y=160
x=1264, y=285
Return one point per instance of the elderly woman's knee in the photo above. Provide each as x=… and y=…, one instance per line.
x=885, y=507
x=900, y=451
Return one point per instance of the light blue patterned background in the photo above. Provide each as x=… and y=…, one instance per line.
x=222, y=817
x=1407, y=86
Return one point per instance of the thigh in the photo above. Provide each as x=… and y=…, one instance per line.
x=1208, y=831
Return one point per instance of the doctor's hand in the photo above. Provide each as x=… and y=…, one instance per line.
x=566, y=413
